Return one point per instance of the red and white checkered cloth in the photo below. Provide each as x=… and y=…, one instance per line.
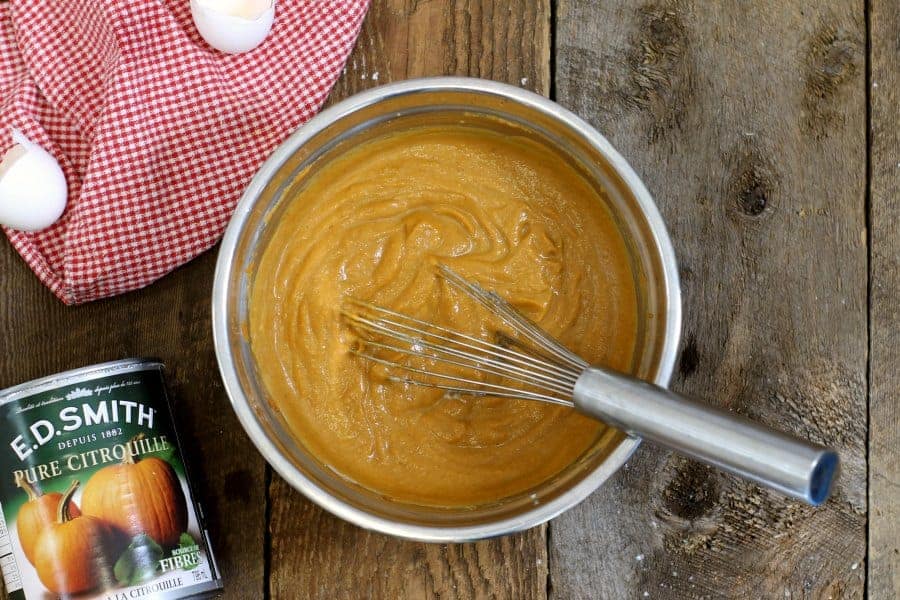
x=156, y=132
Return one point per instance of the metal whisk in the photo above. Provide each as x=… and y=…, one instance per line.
x=528, y=364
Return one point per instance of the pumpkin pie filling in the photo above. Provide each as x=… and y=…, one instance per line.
x=500, y=210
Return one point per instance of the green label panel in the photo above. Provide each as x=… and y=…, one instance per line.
x=96, y=458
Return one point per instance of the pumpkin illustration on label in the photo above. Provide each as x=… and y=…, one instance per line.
x=36, y=515
x=139, y=495
x=69, y=554
x=129, y=528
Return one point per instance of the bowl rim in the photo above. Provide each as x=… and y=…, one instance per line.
x=220, y=307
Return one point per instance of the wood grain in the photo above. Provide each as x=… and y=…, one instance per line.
x=884, y=307
x=401, y=39
x=314, y=555
x=169, y=320
x=747, y=122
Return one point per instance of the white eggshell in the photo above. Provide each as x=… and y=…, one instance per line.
x=33, y=189
x=225, y=26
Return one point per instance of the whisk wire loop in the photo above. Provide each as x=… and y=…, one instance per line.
x=464, y=391
x=512, y=317
x=483, y=388
x=414, y=331
x=547, y=372
x=470, y=361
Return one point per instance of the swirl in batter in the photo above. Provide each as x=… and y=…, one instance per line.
x=500, y=210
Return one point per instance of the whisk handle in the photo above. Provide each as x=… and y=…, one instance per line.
x=725, y=440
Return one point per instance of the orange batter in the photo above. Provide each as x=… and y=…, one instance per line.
x=499, y=210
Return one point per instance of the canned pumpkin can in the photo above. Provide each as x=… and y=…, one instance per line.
x=94, y=491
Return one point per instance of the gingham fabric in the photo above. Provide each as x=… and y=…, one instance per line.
x=157, y=133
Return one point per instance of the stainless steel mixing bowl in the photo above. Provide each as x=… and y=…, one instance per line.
x=377, y=112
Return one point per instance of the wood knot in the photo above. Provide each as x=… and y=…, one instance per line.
x=692, y=493
x=664, y=29
x=690, y=358
x=660, y=73
x=830, y=63
x=753, y=187
x=753, y=195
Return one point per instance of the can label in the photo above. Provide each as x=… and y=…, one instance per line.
x=94, y=494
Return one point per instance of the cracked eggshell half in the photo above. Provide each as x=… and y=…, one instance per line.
x=33, y=188
x=233, y=26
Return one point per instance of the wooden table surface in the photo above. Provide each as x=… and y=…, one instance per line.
x=768, y=134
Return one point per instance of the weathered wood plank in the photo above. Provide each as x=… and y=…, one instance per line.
x=313, y=554
x=747, y=122
x=316, y=555
x=402, y=39
x=884, y=306
x=169, y=320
